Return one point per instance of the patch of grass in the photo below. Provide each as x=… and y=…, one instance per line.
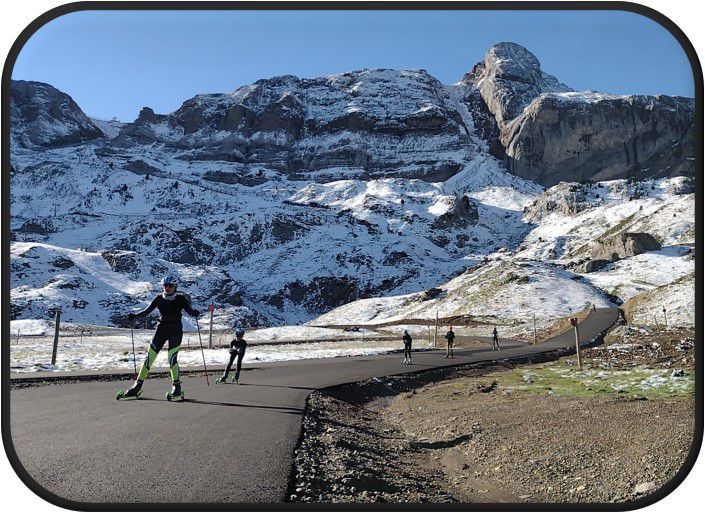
x=568, y=381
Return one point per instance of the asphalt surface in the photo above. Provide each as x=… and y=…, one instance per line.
x=224, y=444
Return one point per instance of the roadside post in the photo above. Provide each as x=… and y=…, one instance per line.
x=574, y=322
x=211, y=307
x=57, y=322
x=665, y=319
x=435, y=334
x=17, y=340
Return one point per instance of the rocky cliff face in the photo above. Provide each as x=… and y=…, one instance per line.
x=42, y=116
x=592, y=137
x=368, y=124
x=549, y=134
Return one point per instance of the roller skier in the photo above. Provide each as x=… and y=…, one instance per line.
x=238, y=346
x=170, y=304
x=407, y=347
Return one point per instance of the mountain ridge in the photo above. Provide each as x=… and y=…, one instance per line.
x=298, y=196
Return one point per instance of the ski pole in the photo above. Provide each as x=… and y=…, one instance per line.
x=134, y=356
x=198, y=327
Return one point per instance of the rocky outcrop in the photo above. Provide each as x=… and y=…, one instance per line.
x=462, y=213
x=592, y=266
x=566, y=198
x=42, y=116
x=623, y=245
x=550, y=134
x=369, y=123
x=592, y=137
x=509, y=78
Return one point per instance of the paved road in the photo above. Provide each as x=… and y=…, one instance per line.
x=227, y=443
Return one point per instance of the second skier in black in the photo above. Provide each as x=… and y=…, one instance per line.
x=238, y=346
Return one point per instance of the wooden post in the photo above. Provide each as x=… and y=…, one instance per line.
x=535, y=338
x=574, y=322
x=81, y=335
x=211, y=307
x=665, y=319
x=435, y=335
x=57, y=322
x=17, y=341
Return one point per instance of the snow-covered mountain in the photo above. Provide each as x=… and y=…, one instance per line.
x=291, y=197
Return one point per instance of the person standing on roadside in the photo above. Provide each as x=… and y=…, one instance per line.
x=450, y=339
x=495, y=340
x=407, y=347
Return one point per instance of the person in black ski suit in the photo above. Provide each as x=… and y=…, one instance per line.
x=238, y=346
x=170, y=304
x=450, y=338
x=407, y=347
x=495, y=340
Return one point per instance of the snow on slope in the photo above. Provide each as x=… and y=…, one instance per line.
x=677, y=297
x=374, y=235
x=536, y=277
x=501, y=289
x=89, y=291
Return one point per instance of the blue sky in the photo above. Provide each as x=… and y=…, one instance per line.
x=115, y=62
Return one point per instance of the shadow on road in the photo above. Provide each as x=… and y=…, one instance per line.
x=282, y=409
x=274, y=386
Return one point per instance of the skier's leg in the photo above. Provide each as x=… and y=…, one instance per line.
x=160, y=336
x=174, y=345
x=409, y=351
x=240, y=356
x=228, y=367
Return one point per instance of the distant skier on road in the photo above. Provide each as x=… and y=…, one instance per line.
x=170, y=304
x=495, y=340
x=450, y=339
x=407, y=347
x=238, y=346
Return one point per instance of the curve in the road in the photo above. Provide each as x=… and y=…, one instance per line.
x=226, y=444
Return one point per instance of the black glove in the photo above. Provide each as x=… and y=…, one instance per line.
x=196, y=313
x=131, y=316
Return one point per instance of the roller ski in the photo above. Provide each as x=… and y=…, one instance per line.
x=176, y=394
x=225, y=379
x=134, y=392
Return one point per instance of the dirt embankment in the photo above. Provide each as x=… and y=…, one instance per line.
x=548, y=432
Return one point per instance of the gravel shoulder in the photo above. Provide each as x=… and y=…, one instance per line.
x=544, y=432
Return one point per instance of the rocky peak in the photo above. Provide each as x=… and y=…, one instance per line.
x=146, y=115
x=509, y=78
x=43, y=116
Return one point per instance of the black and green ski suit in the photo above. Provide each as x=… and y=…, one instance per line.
x=168, y=328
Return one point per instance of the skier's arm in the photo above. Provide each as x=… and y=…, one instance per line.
x=189, y=310
x=147, y=310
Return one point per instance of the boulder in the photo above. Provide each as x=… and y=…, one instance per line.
x=592, y=266
x=623, y=245
x=463, y=212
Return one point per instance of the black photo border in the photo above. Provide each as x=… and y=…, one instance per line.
x=426, y=5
